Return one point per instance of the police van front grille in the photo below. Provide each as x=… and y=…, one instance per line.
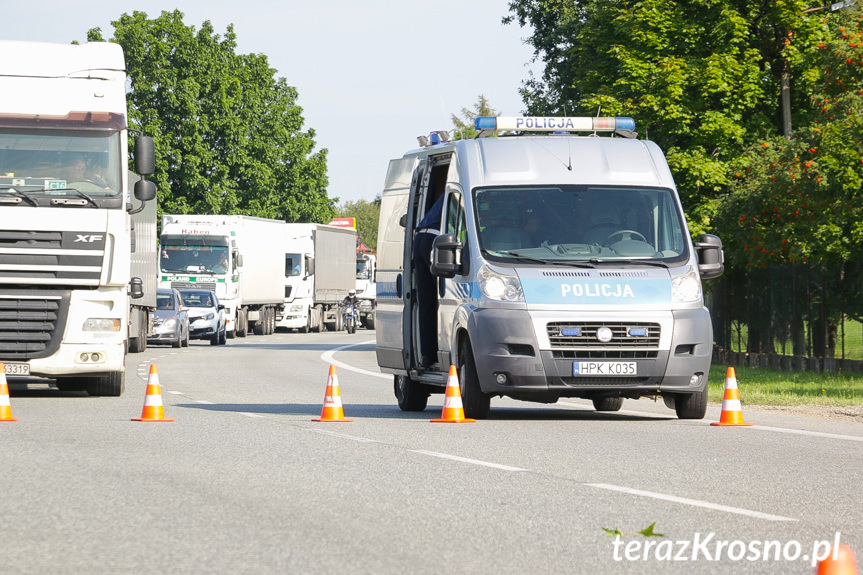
x=624, y=336
x=30, y=325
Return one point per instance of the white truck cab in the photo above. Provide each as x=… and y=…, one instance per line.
x=563, y=267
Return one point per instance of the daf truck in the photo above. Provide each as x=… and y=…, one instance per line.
x=562, y=267
x=72, y=216
x=239, y=258
x=319, y=265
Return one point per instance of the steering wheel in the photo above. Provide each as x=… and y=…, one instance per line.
x=629, y=234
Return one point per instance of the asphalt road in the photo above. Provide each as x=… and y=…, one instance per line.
x=243, y=481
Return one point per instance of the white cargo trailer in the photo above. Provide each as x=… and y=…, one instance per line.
x=240, y=258
x=320, y=269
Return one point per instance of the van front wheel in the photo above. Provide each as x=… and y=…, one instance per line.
x=411, y=395
x=476, y=403
x=691, y=405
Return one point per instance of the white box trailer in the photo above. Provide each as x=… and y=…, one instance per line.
x=240, y=258
x=320, y=269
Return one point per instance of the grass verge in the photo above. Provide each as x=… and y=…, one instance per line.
x=764, y=386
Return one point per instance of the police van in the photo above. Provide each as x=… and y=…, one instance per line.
x=562, y=267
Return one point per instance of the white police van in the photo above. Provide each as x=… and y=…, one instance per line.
x=563, y=268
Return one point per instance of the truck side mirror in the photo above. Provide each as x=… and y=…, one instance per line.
x=145, y=155
x=711, y=258
x=145, y=190
x=403, y=220
x=445, y=261
x=136, y=288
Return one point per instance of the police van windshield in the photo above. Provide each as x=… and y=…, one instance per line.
x=580, y=223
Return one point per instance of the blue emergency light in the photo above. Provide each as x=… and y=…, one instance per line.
x=554, y=123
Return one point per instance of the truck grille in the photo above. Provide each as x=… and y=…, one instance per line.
x=51, y=258
x=211, y=286
x=31, y=324
x=625, y=336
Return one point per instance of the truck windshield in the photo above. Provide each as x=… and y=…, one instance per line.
x=43, y=163
x=580, y=223
x=189, y=258
x=363, y=271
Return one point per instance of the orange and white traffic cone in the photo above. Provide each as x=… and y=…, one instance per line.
x=453, y=410
x=332, y=410
x=840, y=561
x=5, y=406
x=732, y=411
x=153, y=409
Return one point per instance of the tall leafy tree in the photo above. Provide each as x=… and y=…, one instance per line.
x=229, y=134
x=702, y=77
x=367, y=214
x=464, y=124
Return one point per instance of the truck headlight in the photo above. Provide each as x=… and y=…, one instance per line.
x=101, y=324
x=498, y=286
x=686, y=288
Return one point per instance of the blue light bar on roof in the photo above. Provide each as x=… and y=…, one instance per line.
x=554, y=123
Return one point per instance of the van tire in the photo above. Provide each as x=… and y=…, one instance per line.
x=476, y=403
x=691, y=405
x=411, y=395
x=607, y=403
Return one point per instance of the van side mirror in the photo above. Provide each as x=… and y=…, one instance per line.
x=445, y=261
x=403, y=220
x=711, y=258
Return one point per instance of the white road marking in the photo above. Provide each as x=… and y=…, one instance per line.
x=466, y=460
x=693, y=502
x=327, y=356
x=344, y=436
x=810, y=433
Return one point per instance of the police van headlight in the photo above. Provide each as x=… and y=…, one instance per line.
x=498, y=286
x=686, y=288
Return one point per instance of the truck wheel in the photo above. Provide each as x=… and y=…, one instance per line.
x=691, y=405
x=476, y=403
x=607, y=403
x=411, y=395
x=242, y=327
x=109, y=385
x=370, y=321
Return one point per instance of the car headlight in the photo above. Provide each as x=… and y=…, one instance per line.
x=170, y=323
x=499, y=287
x=686, y=288
x=209, y=316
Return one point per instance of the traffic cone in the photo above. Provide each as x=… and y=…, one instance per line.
x=453, y=410
x=5, y=406
x=732, y=412
x=153, y=410
x=332, y=410
x=841, y=561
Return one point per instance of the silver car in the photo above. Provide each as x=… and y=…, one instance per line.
x=171, y=322
x=206, y=315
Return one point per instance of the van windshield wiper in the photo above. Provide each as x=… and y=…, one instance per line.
x=518, y=256
x=19, y=194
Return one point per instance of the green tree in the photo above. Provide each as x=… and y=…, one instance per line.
x=367, y=214
x=229, y=134
x=702, y=78
x=464, y=125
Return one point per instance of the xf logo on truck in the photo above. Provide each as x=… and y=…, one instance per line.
x=91, y=238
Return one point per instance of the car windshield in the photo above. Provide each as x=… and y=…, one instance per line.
x=580, y=223
x=164, y=301
x=197, y=299
x=60, y=162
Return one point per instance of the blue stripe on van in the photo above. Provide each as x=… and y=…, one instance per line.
x=584, y=291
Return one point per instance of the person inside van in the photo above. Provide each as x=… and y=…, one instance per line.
x=426, y=285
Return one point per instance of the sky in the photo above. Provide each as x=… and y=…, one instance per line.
x=371, y=75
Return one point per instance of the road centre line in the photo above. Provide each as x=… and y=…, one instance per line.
x=467, y=460
x=807, y=432
x=344, y=436
x=693, y=502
